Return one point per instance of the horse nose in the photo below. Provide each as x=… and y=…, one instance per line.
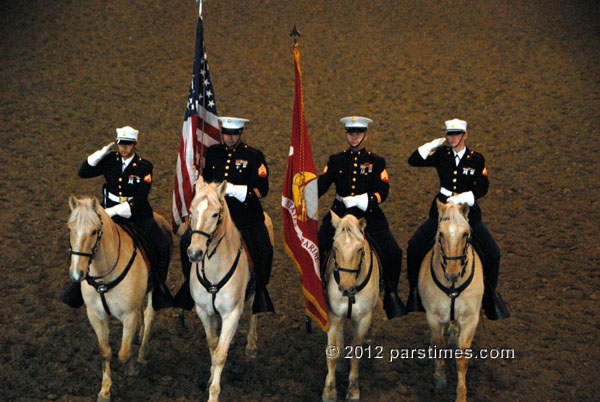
x=194, y=255
x=452, y=277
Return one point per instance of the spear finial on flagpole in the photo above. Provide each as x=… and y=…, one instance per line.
x=199, y=7
x=295, y=34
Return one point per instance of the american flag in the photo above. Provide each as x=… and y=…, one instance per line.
x=200, y=131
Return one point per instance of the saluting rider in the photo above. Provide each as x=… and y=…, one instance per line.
x=362, y=183
x=463, y=180
x=247, y=175
x=128, y=180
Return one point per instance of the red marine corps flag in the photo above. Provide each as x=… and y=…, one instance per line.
x=200, y=131
x=299, y=206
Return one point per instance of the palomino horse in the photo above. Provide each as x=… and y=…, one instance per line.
x=451, y=288
x=114, y=280
x=220, y=275
x=352, y=292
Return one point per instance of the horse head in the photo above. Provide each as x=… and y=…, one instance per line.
x=85, y=232
x=453, y=239
x=349, y=248
x=206, y=215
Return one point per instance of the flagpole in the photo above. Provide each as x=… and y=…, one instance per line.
x=295, y=34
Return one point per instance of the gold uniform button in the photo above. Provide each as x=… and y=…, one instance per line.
x=455, y=172
x=229, y=155
x=351, y=193
x=228, y=160
x=353, y=186
x=354, y=179
x=453, y=187
x=227, y=168
x=120, y=193
x=355, y=165
x=120, y=179
x=354, y=172
x=226, y=174
x=454, y=180
x=355, y=158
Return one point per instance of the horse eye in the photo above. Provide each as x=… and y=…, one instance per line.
x=215, y=215
x=94, y=232
x=464, y=235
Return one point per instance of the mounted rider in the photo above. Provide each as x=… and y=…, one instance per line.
x=128, y=180
x=463, y=180
x=247, y=174
x=362, y=183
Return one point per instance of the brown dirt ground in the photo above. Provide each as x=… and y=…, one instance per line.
x=524, y=74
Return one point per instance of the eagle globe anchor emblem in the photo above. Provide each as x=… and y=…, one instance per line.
x=301, y=181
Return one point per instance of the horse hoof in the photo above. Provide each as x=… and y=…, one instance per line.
x=439, y=382
x=251, y=353
x=103, y=398
x=353, y=395
x=132, y=369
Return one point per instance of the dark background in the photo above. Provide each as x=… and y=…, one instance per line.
x=524, y=75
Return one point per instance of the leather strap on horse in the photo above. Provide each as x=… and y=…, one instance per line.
x=213, y=289
x=102, y=288
x=453, y=292
x=351, y=293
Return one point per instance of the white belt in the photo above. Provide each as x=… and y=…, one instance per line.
x=446, y=192
x=117, y=198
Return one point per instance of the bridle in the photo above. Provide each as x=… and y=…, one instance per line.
x=94, y=248
x=452, y=292
x=351, y=292
x=210, y=236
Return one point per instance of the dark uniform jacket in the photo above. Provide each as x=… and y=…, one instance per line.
x=469, y=175
x=242, y=165
x=134, y=183
x=355, y=173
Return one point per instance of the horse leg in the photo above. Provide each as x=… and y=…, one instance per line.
x=101, y=329
x=228, y=328
x=130, y=324
x=467, y=332
x=437, y=340
x=210, y=328
x=252, y=337
x=148, y=318
x=335, y=340
x=360, y=329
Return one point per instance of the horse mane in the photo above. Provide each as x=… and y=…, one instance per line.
x=453, y=213
x=350, y=226
x=84, y=214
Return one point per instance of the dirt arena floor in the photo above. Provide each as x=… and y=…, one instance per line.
x=525, y=75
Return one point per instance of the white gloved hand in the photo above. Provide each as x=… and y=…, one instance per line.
x=362, y=201
x=123, y=209
x=238, y=191
x=349, y=201
x=97, y=156
x=463, y=198
x=425, y=149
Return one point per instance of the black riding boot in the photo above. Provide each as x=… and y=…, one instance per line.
x=413, y=303
x=183, y=298
x=493, y=305
x=161, y=296
x=392, y=304
x=257, y=239
x=72, y=295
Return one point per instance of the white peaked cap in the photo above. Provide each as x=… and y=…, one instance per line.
x=127, y=133
x=456, y=125
x=356, y=121
x=232, y=123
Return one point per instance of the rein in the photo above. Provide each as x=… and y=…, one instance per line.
x=211, y=288
x=351, y=292
x=451, y=291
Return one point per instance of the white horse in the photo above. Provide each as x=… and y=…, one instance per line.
x=219, y=276
x=114, y=280
x=451, y=288
x=352, y=292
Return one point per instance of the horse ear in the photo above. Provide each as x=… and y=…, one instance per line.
x=440, y=207
x=464, y=210
x=362, y=224
x=72, y=202
x=95, y=204
x=200, y=183
x=221, y=189
x=335, y=220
